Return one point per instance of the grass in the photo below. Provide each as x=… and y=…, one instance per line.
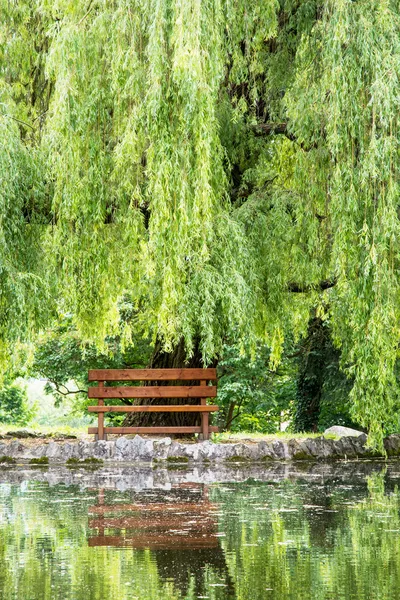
x=86, y=463
x=7, y=460
x=43, y=461
x=177, y=459
x=226, y=437
x=44, y=429
x=282, y=436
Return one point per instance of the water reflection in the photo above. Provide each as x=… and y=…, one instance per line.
x=315, y=533
x=182, y=518
x=179, y=526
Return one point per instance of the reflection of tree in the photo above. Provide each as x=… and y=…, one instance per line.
x=178, y=525
x=188, y=570
x=354, y=557
x=271, y=542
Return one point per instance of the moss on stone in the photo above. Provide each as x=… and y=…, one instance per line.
x=7, y=460
x=267, y=458
x=93, y=461
x=85, y=464
x=302, y=455
x=39, y=462
x=176, y=467
x=237, y=459
x=177, y=459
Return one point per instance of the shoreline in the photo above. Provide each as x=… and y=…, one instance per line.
x=165, y=450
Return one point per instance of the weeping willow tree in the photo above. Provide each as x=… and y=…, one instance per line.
x=232, y=166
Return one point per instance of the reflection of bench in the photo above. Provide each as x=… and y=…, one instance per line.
x=201, y=391
x=155, y=525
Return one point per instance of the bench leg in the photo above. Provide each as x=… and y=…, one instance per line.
x=100, y=402
x=101, y=426
x=100, y=416
x=204, y=420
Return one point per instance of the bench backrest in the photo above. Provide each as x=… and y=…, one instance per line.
x=202, y=391
x=152, y=374
x=182, y=391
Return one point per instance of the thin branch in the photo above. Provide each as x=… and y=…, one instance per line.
x=86, y=14
x=21, y=122
x=300, y=288
x=40, y=116
x=295, y=354
x=67, y=392
x=262, y=129
x=274, y=128
x=239, y=406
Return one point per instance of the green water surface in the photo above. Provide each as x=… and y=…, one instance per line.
x=312, y=537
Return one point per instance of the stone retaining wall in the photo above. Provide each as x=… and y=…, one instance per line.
x=140, y=449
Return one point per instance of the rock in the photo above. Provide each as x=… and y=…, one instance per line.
x=63, y=436
x=265, y=451
x=340, y=431
x=320, y=448
x=345, y=447
x=392, y=445
x=280, y=450
x=103, y=449
x=210, y=452
x=54, y=451
x=22, y=434
x=161, y=448
x=85, y=449
x=69, y=451
x=16, y=450
x=252, y=452
x=200, y=454
x=142, y=449
x=186, y=451
x=298, y=450
x=122, y=449
x=37, y=451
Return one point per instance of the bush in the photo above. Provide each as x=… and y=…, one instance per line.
x=14, y=407
x=251, y=396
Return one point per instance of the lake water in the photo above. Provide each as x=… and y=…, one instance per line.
x=280, y=532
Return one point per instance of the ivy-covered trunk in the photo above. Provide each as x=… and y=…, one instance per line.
x=310, y=381
x=169, y=360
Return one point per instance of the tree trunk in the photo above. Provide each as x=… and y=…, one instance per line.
x=169, y=360
x=311, y=374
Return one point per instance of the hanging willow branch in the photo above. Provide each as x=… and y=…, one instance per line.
x=153, y=114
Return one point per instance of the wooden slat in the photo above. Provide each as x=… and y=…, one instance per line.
x=151, y=374
x=162, y=542
x=181, y=391
x=187, y=522
x=155, y=408
x=144, y=430
x=201, y=507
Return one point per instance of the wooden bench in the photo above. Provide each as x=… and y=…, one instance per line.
x=202, y=391
x=155, y=525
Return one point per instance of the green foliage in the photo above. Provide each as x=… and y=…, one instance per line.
x=43, y=461
x=7, y=460
x=14, y=407
x=63, y=359
x=251, y=396
x=87, y=463
x=208, y=158
x=344, y=105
